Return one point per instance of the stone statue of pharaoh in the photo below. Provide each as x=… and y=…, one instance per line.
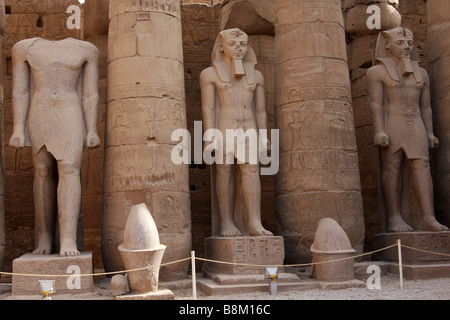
x=233, y=98
x=399, y=97
x=55, y=110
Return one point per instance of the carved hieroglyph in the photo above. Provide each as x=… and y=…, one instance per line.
x=319, y=172
x=146, y=103
x=55, y=109
x=439, y=59
x=399, y=93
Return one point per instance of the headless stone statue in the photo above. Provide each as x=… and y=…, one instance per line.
x=400, y=103
x=240, y=105
x=55, y=110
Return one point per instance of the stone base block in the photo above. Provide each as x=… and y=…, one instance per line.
x=48, y=266
x=416, y=264
x=246, y=285
x=241, y=275
x=232, y=284
x=163, y=294
x=245, y=252
x=423, y=271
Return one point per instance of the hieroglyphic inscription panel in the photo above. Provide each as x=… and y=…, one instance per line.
x=245, y=252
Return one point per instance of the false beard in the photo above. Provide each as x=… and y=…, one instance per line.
x=406, y=67
x=238, y=68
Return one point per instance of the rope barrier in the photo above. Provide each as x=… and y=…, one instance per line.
x=426, y=251
x=216, y=261
x=298, y=265
x=93, y=274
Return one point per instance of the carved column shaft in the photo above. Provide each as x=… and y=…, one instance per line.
x=319, y=173
x=146, y=103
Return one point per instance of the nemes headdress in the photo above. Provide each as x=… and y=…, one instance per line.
x=382, y=54
x=218, y=57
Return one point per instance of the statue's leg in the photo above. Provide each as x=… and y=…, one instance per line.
x=69, y=200
x=44, y=193
x=392, y=169
x=251, y=192
x=226, y=192
x=423, y=188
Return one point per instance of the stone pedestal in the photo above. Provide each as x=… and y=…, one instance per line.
x=52, y=265
x=243, y=250
x=416, y=264
x=222, y=278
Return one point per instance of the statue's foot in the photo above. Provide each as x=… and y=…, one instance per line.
x=68, y=248
x=229, y=230
x=258, y=230
x=396, y=224
x=431, y=224
x=44, y=246
x=42, y=250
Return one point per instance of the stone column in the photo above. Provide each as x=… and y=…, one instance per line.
x=438, y=17
x=319, y=173
x=2, y=180
x=146, y=103
x=361, y=45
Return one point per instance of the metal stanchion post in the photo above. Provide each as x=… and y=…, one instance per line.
x=400, y=268
x=194, y=280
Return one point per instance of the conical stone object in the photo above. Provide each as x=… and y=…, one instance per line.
x=332, y=243
x=141, y=249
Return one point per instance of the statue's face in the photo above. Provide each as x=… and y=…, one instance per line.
x=401, y=47
x=235, y=46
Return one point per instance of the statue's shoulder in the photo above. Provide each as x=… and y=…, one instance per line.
x=259, y=77
x=21, y=47
x=89, y=47
x=209, y=74
x=424, y=74
x=378, y=68
x=376, y=72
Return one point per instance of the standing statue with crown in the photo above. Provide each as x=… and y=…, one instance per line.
x=399, y=93
x=233, y=98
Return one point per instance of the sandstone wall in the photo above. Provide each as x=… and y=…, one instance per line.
x=200, y=28
x=201, y=22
